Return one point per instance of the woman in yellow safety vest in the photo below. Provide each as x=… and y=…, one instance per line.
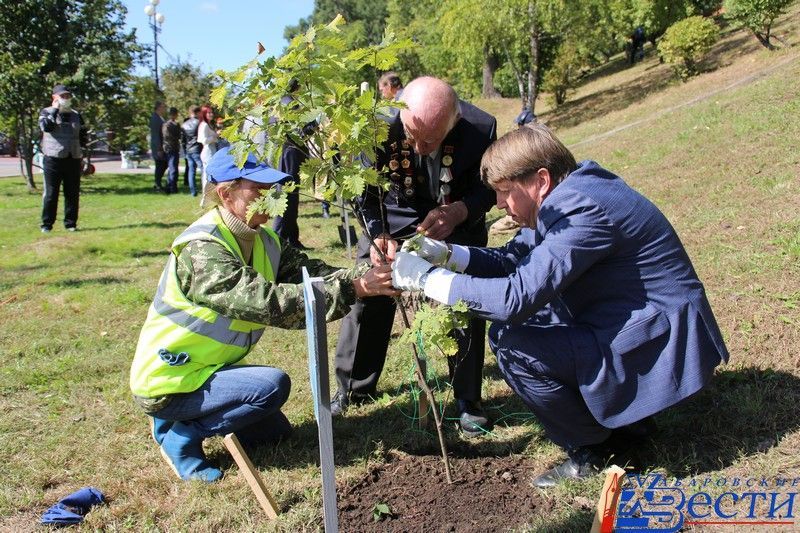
x=226, y=278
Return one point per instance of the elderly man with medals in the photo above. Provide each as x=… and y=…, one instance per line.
x=432, y=158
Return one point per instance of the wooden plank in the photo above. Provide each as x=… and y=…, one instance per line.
x=251, y=475
x=317, y=334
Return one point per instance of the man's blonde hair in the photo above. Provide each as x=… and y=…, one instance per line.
x=520, y=153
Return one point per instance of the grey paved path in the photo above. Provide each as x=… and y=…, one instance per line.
x=9, y=166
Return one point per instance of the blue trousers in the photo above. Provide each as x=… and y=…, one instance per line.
x=194, y=166
x=173, y=158
x=538, y=362
x=232, y=399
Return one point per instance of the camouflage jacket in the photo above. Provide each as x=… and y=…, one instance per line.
x=209, y=275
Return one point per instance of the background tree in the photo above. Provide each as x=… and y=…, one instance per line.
x=655, y=16
x=185, y=85
x=126, y=114
x=418, y=21
x=82, y=44
x=473, y=28
x=756, y=15
x=364, y=17
x=686, y=42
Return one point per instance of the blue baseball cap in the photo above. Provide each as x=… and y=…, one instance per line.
x=222, y=167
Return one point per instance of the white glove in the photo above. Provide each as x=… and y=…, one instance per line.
x=437, y=252
x=408, y=271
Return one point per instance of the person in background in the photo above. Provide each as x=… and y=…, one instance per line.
x=219, y=125
x=157, y=144
x=171, y=133
x=432, y=159
x=192, y=148
x=207, y=137
x=226, y=278
x=599, y=320
x=526, y=116
x=391, y=88
x=292, y=157
x=63, y=135
x=636, y=45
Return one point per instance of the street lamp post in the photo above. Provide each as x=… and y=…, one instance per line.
x=157, y=19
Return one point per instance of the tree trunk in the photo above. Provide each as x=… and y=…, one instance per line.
x=25, y=154
x=763, y=38
x=533, y=69
x=490, y=64
x=26, y=169
x=523, y=95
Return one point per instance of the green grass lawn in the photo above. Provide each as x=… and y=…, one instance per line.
x=725, y=170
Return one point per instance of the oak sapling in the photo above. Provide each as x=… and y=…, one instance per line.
x=311, y=97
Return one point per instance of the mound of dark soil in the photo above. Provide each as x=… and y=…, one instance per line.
x=488, y=494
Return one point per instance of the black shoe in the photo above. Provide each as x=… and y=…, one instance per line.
x=299, y=246
x=582, y=463
x=342, y=400
x=473, y=421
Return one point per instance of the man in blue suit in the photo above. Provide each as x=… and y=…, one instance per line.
x=598, y=318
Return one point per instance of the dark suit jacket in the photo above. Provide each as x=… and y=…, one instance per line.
x=469, y=138
x=604, y=257
x=156, y=137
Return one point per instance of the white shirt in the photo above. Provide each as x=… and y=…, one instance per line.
x=208, y=138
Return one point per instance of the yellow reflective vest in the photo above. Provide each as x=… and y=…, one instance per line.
x=182, y=344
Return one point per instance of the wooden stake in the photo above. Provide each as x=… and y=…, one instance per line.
x=609, y=498
x=251, y=475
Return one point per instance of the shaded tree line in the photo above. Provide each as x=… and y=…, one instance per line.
x=516, y=48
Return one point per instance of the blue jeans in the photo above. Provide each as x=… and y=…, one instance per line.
x=173, y=158
x=195, y=165
x=232, y=399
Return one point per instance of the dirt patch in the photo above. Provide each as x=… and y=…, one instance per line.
x=488, y=494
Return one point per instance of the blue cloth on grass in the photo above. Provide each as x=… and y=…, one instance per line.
x=70, y=510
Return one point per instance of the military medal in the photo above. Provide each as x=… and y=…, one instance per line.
x=446, y=175
x=405, y=153
x=409, y=192
x=447, y=160
x=405, y=143
x=405, y=163
x=445, y=189
x=394, y=176
x=393, y=146
x=408, y=181
x=394, y=164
